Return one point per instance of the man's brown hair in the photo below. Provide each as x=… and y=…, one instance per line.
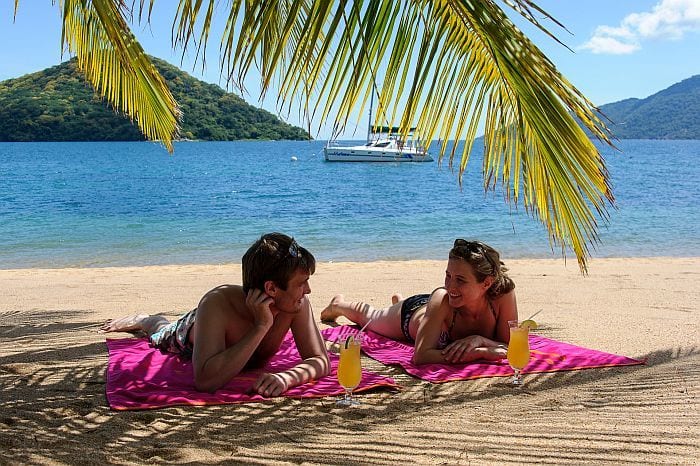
x=275, y=256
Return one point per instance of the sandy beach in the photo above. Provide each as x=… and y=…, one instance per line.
x=52, y=374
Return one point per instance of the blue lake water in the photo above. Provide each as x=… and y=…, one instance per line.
x=112, y=204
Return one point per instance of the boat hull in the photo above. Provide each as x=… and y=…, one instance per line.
x=361, y=154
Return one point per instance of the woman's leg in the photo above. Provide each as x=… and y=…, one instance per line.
x=386, y=321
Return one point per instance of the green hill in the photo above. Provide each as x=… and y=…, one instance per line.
x=673, y=113
x=57, y=104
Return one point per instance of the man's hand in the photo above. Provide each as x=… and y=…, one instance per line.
x=269, y=385
x=260, y=303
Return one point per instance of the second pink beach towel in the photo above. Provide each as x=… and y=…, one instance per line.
x=546, y=356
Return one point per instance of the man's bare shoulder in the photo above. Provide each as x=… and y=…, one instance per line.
x=224, y=298
x=226, y=291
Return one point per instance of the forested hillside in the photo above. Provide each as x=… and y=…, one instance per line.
x=57, y=104
x=673, y=113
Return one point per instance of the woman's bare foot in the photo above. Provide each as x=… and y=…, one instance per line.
x=329, y=314
x=395, y=298
x=131, y=324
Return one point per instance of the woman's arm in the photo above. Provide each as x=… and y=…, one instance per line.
x=506, y=308
x=472, y=348
x=431, y=325
x=476, y=347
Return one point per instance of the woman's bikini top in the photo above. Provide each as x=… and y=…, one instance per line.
x=445, y=336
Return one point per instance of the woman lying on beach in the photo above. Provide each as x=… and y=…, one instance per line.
x=463, y=321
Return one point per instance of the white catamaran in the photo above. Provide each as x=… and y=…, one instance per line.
x=383, y=145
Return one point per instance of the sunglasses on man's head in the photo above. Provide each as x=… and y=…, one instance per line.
x=293, y=250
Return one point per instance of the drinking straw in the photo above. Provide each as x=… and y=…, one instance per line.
x=533, y=315
x=337, y=339
x=363, y=328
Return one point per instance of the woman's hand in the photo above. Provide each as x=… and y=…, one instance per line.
x=459, y=350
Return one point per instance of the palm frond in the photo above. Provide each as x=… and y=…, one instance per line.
x=442, y=67
x=439, y=66
x=115, y=64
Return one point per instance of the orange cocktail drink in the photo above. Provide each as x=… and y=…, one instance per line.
x=518, y=350
x=349, y=369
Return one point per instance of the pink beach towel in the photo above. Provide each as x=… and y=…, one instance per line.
x=141, y=377
x=546, y=356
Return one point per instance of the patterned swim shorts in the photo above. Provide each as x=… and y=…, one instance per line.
x=175, y=337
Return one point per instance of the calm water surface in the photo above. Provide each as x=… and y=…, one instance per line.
x=111, y=204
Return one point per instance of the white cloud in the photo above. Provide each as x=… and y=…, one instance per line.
x=621, y=32
x=610, y=45
x=668, y=20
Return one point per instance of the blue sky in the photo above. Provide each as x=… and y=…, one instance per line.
x=621, y=48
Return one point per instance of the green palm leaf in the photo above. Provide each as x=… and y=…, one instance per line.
x=116, y=65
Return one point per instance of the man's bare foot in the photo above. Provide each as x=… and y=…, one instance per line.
x=131, y=324
x=330, y=313
x=395, y=298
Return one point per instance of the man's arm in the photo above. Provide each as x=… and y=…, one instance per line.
x=312, y=349
x=214, y=363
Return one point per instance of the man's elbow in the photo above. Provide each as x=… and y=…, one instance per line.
x=202, y=384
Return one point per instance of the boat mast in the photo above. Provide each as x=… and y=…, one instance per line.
x=369, y=126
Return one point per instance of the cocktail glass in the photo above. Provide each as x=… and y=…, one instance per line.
x=349, y=369
x=518, y=351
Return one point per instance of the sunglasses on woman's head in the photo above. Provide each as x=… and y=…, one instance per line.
x=476, y=246
x=473, y=246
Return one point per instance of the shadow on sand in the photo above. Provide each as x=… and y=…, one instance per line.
x=54, y=411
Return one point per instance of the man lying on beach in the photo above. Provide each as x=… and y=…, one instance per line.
x=241, y=327
x=463, y=321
